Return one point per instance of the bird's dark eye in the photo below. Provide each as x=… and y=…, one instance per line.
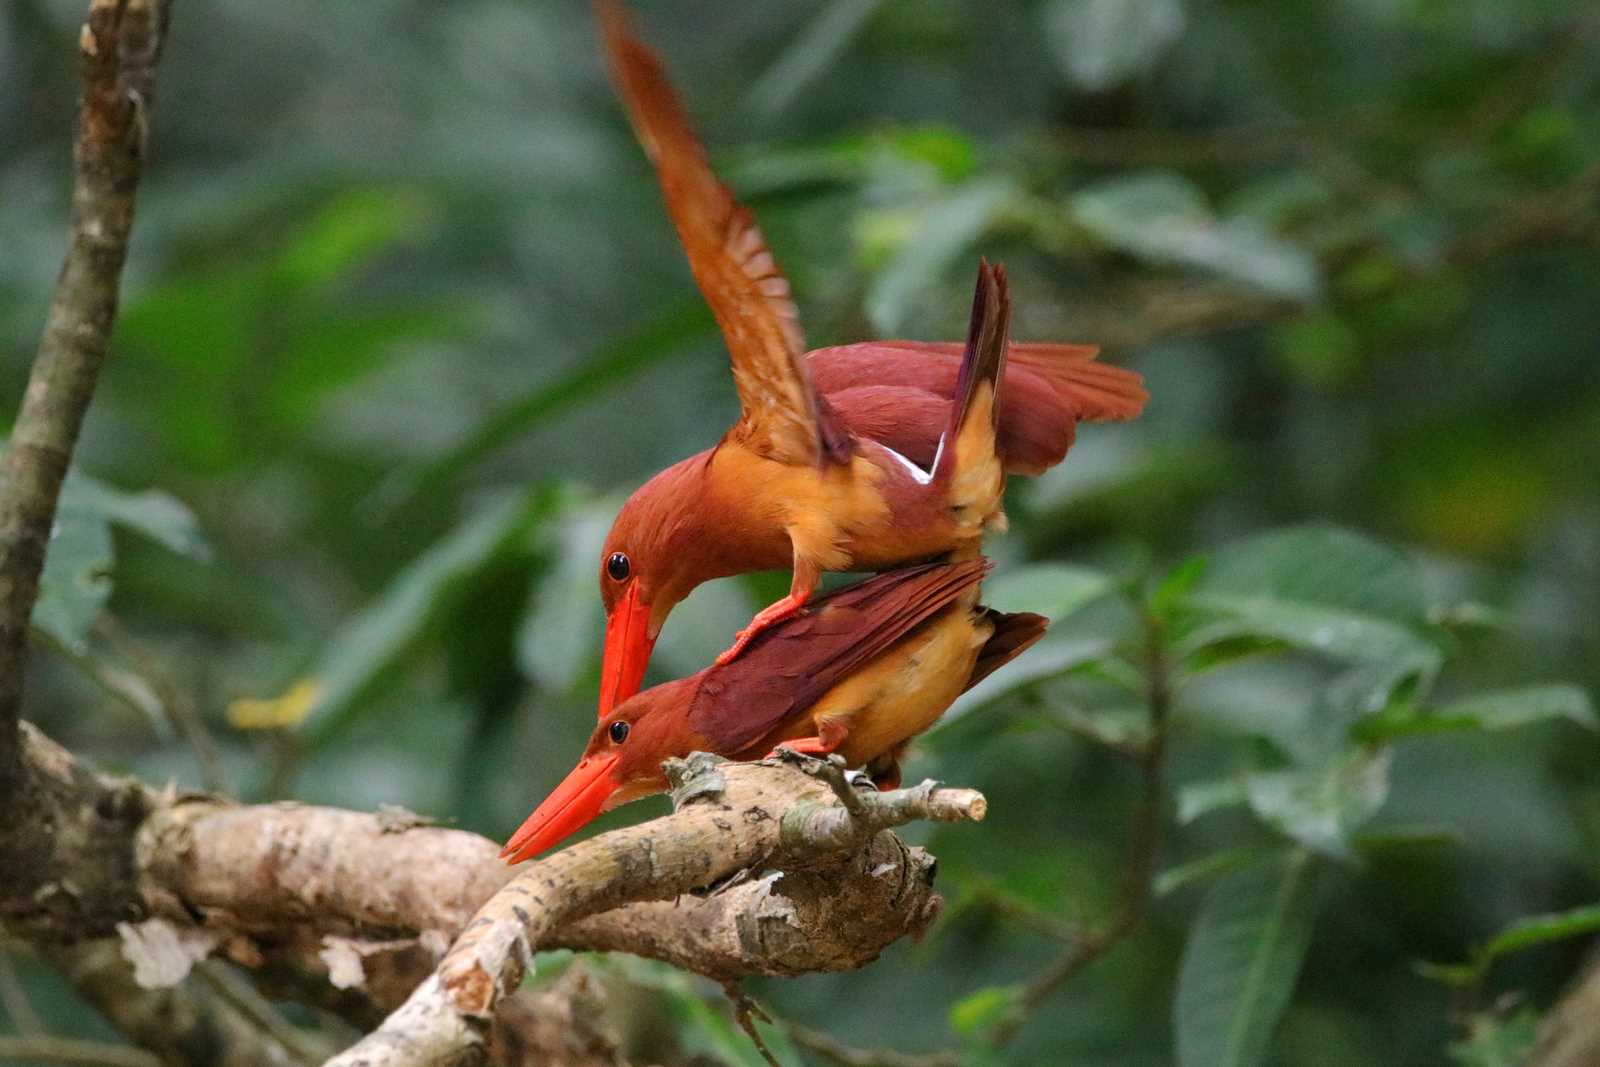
x=617, y=567
x=619, y=732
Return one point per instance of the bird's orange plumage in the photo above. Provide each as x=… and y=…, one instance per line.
x=851, y=458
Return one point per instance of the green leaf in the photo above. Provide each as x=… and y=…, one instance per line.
x=156, y=514
x=1407, y=838
x=1535, y=930
x=1202, y=798
x=76, y=580
x=1319, y=589
x=1100, y=44
x=1168, y=595
x=1496, y=1041
x=977, y=1012
x=943, y=230
x=1205, y=868
x=346, y=232
x=1048, y=659
x=1330, y=632
x=1369, y=690
x=1502, y=710
x=338, y=343
x=1320, y=807
x=364, y=656
x=1320, y=565
x=945, y=150
x=1054, y=590
x=1116, y=727
x=810, y=53
x=1242, y=960
x=561, y=631
x=1323, y=348
x=1507, y=709
x=613, y=363
x=1214, y=647
x=1527, y=932
x=1161, y=217
x=1458, y=975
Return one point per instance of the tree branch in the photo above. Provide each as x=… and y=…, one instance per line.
x=729, y=817
x=119, y=47
x=352, y=911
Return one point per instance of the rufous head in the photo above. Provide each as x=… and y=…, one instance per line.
x=622, y=762
x=652, y=559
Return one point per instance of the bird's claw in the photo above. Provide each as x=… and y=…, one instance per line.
x=767, y=616
x=740, y=639
x=804, y=749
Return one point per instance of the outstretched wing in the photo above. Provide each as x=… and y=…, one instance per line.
x=790, y=666
x=783, y=416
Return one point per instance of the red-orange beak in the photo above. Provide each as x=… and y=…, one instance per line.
x=569, y=807
x=629, y=643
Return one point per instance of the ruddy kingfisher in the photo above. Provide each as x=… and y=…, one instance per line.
x=860, y=672
x=857, y=457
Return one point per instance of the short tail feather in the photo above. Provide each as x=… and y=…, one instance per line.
x=984, y=359
x=1013, y=633
x=1092, y=391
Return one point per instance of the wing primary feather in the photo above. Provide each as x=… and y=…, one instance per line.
x=988, y=332
x=984, y=359
x=783, y=415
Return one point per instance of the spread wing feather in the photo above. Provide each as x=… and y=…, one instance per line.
x=783, y=417
x=791, y=666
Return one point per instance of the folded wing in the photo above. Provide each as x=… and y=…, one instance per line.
x=789, y=667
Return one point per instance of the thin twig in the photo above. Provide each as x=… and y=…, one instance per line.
x=119, y=47
x=829, y=769
x=1569, y=212
x=1528, y=81
x=745, y=1013
x=240, y=995
x=1089, y=945
x=824, y=1044
x=174, y=1023
x=175, y=703
x=1072, y=722
x=1030, y=916
x=69, y=1051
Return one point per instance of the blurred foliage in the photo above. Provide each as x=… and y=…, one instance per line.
x=404, y=319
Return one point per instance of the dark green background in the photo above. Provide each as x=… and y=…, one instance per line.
x=398, y=262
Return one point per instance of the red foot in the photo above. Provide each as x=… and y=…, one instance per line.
x=767, y=616
x=888, y=778
x=806, y=746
